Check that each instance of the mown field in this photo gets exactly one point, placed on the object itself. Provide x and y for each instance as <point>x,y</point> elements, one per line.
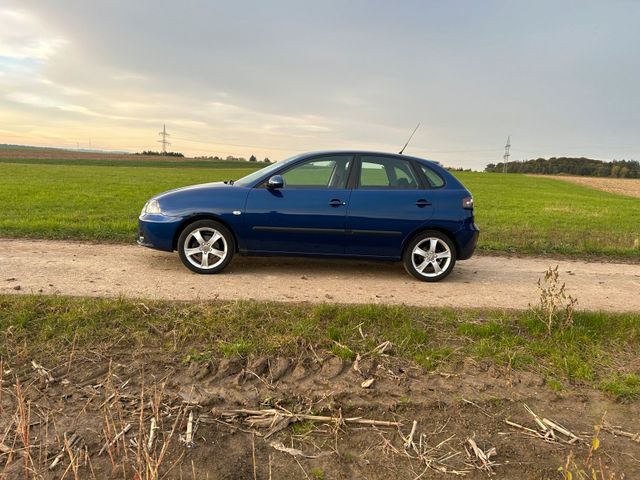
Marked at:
<point>82,199</point>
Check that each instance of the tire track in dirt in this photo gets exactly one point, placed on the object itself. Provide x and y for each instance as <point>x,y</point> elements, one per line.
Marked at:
<point>471,401</point>
<point>108,270</point>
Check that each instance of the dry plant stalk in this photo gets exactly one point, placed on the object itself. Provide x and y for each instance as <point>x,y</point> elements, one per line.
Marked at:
<point>115,439</point>
<point>434,458</point>
<point>23,423</point>
<point>42,372</point>
<point>271,417</point>
<point>547,429</point>
<point>294,452</point>
<point>617,430</point>
<point>152,450</point>
<point>556,307</point>
<point>67,445</point>
<point>483,458</point>
<point>590,469</point>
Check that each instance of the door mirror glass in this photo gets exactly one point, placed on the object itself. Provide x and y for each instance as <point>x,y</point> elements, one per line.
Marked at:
<point>275,182</point>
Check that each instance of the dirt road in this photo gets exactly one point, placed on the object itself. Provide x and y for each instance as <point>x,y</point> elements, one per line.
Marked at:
<point>89,269</point>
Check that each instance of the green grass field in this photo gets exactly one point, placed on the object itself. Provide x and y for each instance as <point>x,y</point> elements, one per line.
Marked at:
<point>88,203</point>
<point>75,200</point>
<point>136,162</point>
<point>518,213</point>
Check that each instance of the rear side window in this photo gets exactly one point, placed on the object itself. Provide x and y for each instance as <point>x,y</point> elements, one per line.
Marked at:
<point>387,172</point>
<point>435,180</point>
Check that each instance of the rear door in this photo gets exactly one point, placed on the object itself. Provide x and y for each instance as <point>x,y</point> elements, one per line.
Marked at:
<point>389,202</point>
<point>307,215</point>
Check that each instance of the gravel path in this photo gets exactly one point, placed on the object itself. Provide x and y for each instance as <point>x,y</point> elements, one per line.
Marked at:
<point>91,269</point>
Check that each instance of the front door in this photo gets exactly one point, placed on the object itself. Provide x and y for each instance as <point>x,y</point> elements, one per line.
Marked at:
<point>307,215</point>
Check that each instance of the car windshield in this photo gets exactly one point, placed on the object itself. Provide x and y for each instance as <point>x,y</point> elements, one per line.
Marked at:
<point>252,177</point>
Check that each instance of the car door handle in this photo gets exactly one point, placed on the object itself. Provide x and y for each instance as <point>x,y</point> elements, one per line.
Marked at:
<point>336,202</point>
<point>423,203</point>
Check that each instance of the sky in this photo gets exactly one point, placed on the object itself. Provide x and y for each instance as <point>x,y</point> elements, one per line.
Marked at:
<point>281,77</point>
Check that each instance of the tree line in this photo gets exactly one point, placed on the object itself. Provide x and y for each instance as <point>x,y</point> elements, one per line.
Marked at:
<point>585,167</point>
<point>161,154</point>
<point>231,158</point>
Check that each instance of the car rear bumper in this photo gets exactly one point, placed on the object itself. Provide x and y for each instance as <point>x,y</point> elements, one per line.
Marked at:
<point>157,231</point>
<point>467,239</point>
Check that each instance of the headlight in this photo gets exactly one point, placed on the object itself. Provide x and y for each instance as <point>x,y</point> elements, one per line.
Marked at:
<point>152,207</point>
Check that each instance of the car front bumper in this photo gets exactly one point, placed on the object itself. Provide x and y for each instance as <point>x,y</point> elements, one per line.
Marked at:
<point>157,231</point>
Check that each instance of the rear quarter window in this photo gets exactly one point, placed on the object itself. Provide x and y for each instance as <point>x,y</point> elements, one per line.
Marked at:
<point>434,179</point>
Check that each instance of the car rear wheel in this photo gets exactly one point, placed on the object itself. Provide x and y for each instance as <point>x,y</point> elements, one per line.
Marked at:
<point>430,256</point>
<point>206,246</point>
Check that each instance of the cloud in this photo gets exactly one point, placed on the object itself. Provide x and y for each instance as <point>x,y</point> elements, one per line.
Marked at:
<point>23,37</point>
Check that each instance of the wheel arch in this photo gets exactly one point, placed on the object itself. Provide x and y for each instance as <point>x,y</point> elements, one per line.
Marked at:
<point>197,217</point>
<point>442,230</point>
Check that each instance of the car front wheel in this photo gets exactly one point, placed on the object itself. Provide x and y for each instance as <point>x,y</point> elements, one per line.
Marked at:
<point>430,256</point>
<point>206,246</point>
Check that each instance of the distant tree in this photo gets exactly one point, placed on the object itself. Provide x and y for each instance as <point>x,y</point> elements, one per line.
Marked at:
<point>253,158</point>
<point>266,160</point>
<point>615,171</point>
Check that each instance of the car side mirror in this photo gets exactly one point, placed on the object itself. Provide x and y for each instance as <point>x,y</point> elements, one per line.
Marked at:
<point>275,182</point>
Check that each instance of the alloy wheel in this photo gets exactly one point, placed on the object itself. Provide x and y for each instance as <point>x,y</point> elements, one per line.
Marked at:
<point>431,257</point>
<point>205,248</point>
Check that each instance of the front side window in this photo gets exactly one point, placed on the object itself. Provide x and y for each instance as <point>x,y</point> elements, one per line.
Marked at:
<point>387,172</point>
<point>324,172</point>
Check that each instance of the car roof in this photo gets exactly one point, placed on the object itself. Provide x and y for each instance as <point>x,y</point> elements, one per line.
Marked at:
<point>365,152</point>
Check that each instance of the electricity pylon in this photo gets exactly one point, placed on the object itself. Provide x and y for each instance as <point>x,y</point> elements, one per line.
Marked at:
<point>164,141</point>
<point>506,154</point>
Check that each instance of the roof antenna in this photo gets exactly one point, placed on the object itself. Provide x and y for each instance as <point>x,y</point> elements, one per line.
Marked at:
<point>405,145</point>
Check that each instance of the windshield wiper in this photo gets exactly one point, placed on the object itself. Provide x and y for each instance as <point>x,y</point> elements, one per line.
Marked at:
<point>229,182</point>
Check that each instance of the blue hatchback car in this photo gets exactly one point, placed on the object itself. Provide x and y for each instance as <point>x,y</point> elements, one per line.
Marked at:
<point>356,204</point>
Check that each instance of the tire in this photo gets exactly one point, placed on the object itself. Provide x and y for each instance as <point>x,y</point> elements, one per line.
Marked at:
<point>203,256</point>
<point>438,260</point>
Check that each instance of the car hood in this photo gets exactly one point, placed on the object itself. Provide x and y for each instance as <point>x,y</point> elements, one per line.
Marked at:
<point>194,188</point>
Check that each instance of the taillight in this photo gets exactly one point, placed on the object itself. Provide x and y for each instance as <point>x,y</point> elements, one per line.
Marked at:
<point>467,202</point>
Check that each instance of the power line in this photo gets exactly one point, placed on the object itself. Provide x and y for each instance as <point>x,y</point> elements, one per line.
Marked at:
<point>164,141</point>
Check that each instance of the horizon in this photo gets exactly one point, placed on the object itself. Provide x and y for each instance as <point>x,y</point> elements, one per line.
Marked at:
<point>275,80</point>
